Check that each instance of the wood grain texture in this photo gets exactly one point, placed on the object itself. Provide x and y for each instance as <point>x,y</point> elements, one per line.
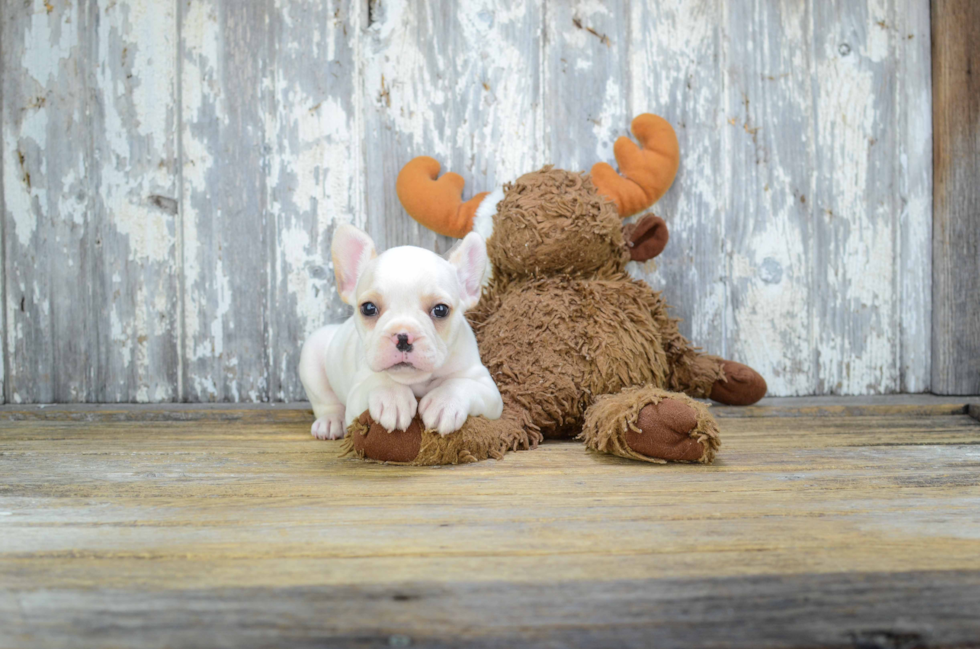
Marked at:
<point>770,261</point>
<point>867,610</point>
<point>859,133</point>
<point>90,273</point>
<point>227,56</point>
<point>956,235</point>
<point>189,161</point>
<point>808,531</point>
<point>847,610</point>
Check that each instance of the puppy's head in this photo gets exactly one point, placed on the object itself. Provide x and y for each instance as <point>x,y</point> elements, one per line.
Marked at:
<point>408,302</point>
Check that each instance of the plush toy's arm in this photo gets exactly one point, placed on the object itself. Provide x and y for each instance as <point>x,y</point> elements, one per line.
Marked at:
<point>436,204</point>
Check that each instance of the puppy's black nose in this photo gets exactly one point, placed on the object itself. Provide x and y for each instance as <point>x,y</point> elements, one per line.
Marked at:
<point>403,345</point>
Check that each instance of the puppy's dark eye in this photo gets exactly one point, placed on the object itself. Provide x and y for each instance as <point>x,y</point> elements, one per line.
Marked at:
<point>369,309</point>
<point>440,311</point>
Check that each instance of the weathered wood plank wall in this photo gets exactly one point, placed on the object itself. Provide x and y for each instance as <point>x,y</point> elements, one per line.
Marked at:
<point>173,171</point>
<point>90,217</point>
<point>956,240</point>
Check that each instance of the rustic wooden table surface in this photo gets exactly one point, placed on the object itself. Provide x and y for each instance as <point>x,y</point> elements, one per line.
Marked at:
<point>824,522</point>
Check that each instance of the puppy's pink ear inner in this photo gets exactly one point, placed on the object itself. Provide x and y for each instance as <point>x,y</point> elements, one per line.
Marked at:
<point>470,260</point>
<point>351,250</point>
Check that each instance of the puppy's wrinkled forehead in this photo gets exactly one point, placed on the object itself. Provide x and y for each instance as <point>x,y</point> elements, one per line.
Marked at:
<point>409,272</point>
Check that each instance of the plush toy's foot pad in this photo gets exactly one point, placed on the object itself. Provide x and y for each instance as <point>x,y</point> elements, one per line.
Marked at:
<point>742,385</point>
<point>652,425</point>
<point>664,431</point>
<point>478,439</point>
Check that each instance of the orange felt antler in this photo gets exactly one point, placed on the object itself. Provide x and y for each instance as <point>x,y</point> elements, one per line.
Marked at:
<point>649,170</point>
<point>436,204</point>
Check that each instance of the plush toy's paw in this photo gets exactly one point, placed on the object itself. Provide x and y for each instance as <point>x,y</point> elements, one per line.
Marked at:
<point>370,439</point>
<point>742,385</point>
<point>664,432</point>
<point>651,424</point>
<point>329,426</point>
<point>443,411</point>
<point>393,407</point>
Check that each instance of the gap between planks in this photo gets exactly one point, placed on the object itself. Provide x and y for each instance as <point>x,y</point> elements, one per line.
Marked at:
<point>823,406</point>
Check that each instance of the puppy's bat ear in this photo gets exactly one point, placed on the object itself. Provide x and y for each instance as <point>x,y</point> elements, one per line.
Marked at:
<point>351,250</point>
<point>469,257</point>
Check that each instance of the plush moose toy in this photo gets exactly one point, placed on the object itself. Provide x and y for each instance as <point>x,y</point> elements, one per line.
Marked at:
<point>577,347</point>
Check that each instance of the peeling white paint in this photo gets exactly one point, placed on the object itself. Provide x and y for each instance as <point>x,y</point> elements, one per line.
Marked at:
<point>500,82</point>
<point>201,52</point>
<point>149,231</point>
<point>18,196</point>
<point>610,128</point>
<point>214,346</point>
<point>300,284</point>
<point>855,346</point>
<point>404,84</point>
<point>53,35</point>
<point>880,22</point>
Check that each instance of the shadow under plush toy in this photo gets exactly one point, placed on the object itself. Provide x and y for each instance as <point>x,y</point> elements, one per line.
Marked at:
<point>577,347</point>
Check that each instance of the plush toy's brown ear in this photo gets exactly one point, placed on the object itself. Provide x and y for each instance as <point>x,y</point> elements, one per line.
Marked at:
<point>646,238</point>
<point>649,170</point>
<point>436,204</point>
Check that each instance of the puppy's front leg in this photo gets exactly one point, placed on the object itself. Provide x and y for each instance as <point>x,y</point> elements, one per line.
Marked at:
<point>391,404</point>
<point>328,410</point>
<point>445,408</point>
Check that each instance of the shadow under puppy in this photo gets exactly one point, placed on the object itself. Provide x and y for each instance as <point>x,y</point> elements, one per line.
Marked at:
<point>408,348</point>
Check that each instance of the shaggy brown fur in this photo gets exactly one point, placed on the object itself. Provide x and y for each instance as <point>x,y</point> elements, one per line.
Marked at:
<point>576,346</point>
<point>561,321</point>
<point>479,439</point>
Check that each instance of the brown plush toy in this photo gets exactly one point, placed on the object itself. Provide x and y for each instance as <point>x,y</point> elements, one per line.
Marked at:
<point>577,347</point>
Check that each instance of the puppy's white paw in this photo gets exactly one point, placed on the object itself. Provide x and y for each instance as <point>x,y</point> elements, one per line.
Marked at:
<point>393,407</point>
<point>443,411</point>
<point>329,427</point>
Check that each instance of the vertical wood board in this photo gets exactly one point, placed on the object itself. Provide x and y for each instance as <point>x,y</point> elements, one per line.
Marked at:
<point>676,66</point>
<point>313,173</point>
<point>861,190</point>
<point>88,157</point>
<point>956,240</point>
<point>226,57</point>
<point>768,225</point>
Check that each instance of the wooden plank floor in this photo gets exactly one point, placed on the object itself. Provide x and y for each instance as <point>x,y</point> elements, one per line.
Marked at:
<point>843,523</point>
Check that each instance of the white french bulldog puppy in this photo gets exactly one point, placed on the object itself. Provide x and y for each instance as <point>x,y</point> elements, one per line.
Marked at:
<point>407,348</point>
